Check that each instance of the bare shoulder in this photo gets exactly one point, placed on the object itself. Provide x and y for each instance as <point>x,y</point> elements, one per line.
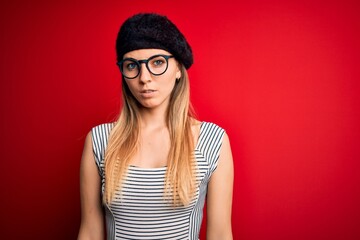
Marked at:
<point>195,127</point>
<point>225,162</point>
<point>226,148</point>
<point>88,168</point>
<point>195,123</point>
<point>87,151</point>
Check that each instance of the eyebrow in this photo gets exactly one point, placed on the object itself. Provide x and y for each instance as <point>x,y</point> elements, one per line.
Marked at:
<point>164,54</point>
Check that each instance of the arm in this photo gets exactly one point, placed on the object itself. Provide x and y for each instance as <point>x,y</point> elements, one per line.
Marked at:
<point>219,198</point>
<point>92,223</point>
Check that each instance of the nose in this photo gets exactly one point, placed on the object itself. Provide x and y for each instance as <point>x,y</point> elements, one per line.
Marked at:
<point>145,75</point>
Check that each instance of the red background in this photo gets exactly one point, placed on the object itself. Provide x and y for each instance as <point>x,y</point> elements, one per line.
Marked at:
<point>282,78</point>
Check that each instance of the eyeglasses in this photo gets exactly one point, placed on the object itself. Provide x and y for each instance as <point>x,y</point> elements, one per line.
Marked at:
<point>157,65</point>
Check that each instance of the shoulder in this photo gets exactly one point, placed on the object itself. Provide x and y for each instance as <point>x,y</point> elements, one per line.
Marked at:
<point>210,141</point>
<point>104,127</point>
<point>211,129</point>
<point>100,135</point>
<point>212,124</point>
<point>101,131</point>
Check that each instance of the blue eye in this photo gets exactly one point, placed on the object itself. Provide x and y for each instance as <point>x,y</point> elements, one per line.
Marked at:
<point>158,62</point>
<point>131,66</point>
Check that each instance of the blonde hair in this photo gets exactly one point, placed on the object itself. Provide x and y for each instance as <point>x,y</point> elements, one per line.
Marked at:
<point>124,138</point>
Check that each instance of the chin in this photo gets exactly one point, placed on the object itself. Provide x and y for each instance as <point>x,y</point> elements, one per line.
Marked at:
<point>152,104</point>
<point>148,104</point>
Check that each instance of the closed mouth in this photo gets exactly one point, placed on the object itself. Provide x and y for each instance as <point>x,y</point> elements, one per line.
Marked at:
<point>147,91</point>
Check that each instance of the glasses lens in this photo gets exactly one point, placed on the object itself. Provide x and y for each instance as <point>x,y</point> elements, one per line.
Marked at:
<point>157,65</point>
<point>130,68</point>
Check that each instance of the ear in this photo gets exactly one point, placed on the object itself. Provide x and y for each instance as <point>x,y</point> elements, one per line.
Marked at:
<point>178,71</point>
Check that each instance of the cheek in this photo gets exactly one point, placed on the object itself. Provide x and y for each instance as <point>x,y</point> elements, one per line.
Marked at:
<point>170,83</point>
<point>171,78</point>
<point>130,86</point>
<point>130,83</point>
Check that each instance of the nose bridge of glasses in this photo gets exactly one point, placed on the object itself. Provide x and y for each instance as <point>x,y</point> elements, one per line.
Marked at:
<point>141,69</point>
<point>143,61</point>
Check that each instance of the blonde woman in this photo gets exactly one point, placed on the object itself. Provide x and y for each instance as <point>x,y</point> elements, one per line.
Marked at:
<point>149,173</point>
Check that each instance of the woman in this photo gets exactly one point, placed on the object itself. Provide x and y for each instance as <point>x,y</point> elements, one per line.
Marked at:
<point>156,165</point>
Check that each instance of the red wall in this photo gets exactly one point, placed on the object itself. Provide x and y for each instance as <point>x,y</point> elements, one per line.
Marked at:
<point>282,78</point>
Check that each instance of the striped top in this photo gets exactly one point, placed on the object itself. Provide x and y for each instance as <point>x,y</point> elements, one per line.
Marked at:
<point>142,212</point>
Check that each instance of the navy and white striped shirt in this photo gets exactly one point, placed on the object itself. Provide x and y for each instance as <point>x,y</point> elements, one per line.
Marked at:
<point>142,212</point>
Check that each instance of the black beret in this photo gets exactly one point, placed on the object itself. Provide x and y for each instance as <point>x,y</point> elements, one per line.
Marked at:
<point>149,30</point>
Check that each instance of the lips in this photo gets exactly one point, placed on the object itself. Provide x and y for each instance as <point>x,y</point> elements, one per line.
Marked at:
<point>147,93</point>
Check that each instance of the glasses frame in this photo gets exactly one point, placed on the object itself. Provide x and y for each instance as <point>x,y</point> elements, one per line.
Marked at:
<point>146,61</point>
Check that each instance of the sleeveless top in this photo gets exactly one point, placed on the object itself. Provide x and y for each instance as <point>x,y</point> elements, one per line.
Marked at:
<point>141,212</point>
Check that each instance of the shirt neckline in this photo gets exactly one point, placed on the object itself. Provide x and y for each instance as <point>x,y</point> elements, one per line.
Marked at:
<point>133,167</point>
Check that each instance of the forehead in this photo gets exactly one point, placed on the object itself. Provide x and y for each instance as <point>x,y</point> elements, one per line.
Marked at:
<point>145,53</point>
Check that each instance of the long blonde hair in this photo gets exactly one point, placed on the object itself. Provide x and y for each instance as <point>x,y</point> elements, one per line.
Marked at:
<point>124,138</point>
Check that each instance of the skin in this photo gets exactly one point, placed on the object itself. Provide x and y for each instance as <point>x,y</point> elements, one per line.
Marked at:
<point>155,144</point>
<point>155,138</point>
<point>92,216</point>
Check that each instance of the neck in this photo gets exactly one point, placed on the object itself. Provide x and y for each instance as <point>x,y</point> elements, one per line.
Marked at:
<point>153,117</point>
